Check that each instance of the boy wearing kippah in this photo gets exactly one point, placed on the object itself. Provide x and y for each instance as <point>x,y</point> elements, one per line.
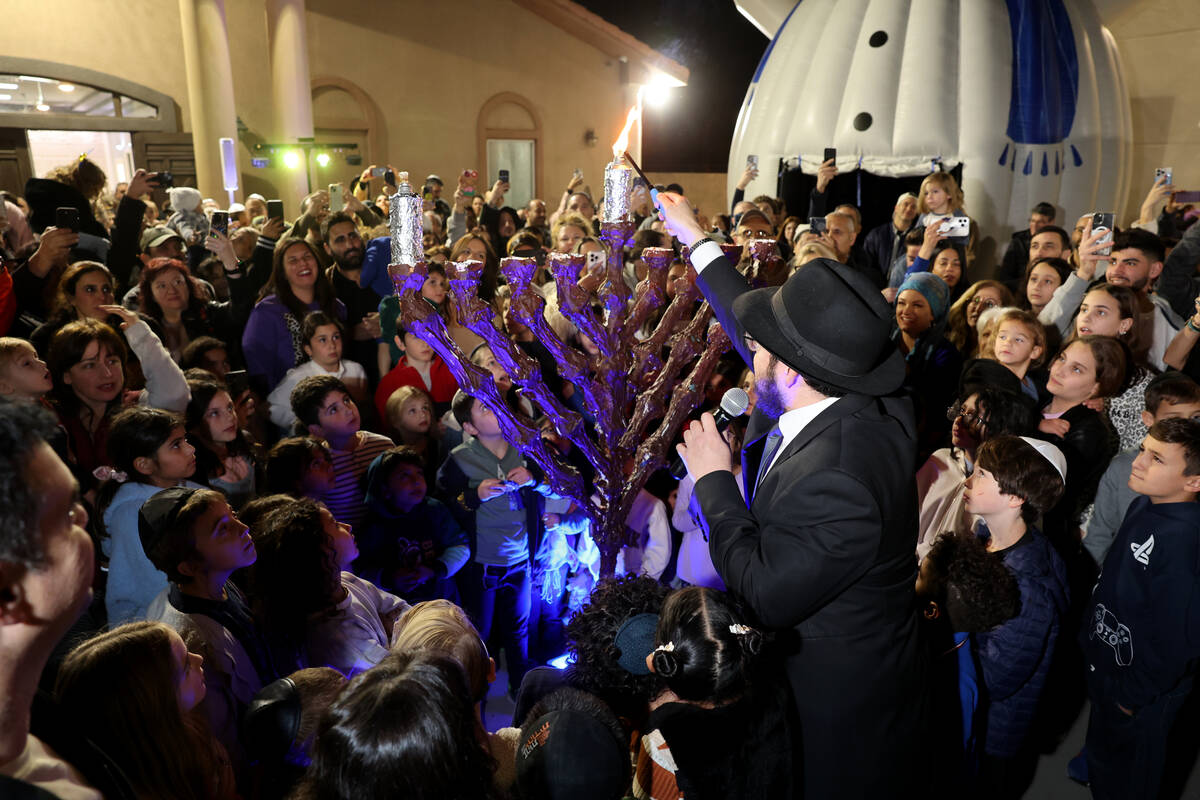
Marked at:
<point>1141,637</point>
<point>1016,479</point>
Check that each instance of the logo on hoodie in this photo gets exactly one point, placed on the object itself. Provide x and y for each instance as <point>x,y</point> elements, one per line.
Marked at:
<point>1141,552</point>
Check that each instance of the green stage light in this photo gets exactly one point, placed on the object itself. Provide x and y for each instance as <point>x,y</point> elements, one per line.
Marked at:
<point>291,159</point>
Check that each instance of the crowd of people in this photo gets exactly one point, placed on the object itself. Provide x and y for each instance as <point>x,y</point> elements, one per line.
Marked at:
<point>257,542</point>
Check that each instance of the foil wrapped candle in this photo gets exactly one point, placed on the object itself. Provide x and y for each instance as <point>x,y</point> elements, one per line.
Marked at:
<point>404,220</point>
<point>618,186</point>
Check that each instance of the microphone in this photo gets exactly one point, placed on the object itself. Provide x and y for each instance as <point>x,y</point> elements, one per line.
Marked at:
<point>733,404</point>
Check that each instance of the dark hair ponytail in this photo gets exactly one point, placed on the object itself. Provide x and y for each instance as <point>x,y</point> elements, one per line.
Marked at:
<point>135,433</point>
<point>704,648</point>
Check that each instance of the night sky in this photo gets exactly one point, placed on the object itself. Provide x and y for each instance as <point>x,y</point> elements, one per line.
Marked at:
<point>692,132</point>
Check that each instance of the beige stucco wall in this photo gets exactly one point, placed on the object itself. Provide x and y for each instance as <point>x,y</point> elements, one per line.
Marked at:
<point>1157,40</point>
<point>429,88</point>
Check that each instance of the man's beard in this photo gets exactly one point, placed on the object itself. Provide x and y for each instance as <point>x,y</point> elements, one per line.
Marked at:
<point>769,398</point>
<point>352,258</point>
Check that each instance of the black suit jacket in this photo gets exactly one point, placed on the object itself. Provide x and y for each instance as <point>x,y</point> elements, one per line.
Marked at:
<point>824,553</point>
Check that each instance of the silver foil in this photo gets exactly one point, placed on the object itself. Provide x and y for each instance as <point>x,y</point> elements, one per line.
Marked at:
<point>404,219</point>
<point>618,185</point>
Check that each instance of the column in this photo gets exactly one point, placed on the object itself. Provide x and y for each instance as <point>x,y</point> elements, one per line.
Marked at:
<point>210,89</point>
<point>291,89</point>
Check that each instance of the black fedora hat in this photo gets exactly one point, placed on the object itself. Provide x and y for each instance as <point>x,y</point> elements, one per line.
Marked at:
<point>827,321</point>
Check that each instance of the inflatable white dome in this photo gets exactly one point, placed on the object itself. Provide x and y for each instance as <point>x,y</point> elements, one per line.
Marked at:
<point>1028,95</point>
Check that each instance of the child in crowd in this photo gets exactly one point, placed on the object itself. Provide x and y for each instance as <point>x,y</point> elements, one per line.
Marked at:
<point>487,476</point>
<point>280,727</point>
<point>152,453</point>
<point>133,689</point>
<point>728,736</point>
<point>1140,635</point>
<point>410,415</point>
<point>224,452</point>
<point>195,538</point>
<point>323,405</point>
<point>187,217</point>
<point>420,367</point>
<point>322,336</point>
<point>1015,480</point>
<point>300,466</point>
<point>1020,344</point>
<point>23,376</point>
<point>404,729</point>
<point>410,543</point>
<point>207,353</point>
<point>434,292</point>
<point>317,613</point>
<point>962,589</point>
<point>977,416</point>
<point>439,626</point>
<point>1171,395</point>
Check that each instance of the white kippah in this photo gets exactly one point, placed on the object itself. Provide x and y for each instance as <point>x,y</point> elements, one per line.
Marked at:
<point>1050,453</point>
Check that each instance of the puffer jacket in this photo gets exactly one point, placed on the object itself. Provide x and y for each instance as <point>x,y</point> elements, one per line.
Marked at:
<point>1016,656</point>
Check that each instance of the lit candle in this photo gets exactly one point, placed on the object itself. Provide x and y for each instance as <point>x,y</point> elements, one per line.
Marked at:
<point>618,177</point>
<point>404,219</point>
<point>618,185</point>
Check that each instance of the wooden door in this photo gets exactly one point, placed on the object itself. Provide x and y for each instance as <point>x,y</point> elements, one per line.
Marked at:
<point>16,167</point>
<point>166,152</point>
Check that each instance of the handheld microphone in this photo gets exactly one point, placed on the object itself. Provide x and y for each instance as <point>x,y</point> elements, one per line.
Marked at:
<point>733,404</point>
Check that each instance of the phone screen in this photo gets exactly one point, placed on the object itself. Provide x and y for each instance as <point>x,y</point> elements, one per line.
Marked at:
<point>220,222</point>
<point>67,217</point>
<point>752,162</point>
<point>830,154</point>
<point>817,224</point>
<point>504,176</point>
<point>378,172</point>
<point>1103,221</point>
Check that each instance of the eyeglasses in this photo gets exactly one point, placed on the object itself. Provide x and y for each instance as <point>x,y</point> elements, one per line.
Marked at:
<point>972,418</point>
<point>749,341</point>
<point>986,302</point>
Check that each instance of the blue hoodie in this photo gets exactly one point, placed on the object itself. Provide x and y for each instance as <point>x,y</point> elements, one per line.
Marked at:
<point>388,532</point>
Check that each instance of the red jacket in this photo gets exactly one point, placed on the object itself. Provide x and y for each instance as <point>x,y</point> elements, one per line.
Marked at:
<point>442,391</point>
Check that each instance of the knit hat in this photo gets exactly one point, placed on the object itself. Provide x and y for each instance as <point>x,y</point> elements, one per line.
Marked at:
<point>1051,453</point>
<point>570,754</point>
<point>934,290</point>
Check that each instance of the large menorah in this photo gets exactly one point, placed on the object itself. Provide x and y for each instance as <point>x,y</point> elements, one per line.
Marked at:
<point>626,387</point>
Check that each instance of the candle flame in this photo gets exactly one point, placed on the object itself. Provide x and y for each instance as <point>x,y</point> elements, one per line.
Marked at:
<point>622,142</point>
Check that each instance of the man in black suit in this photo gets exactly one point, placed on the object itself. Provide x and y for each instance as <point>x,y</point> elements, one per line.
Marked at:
<point>822,551</point>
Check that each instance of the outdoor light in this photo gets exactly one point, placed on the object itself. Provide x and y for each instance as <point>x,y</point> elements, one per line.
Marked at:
<point>291,159</point>
<point>9,86</point>
<point>323,159</point>
<point>656,90</point>
<point>5,97</point>
<point>66,87</point>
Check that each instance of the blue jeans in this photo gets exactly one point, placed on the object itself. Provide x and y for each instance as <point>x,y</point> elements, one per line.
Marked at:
<point>498,599</point>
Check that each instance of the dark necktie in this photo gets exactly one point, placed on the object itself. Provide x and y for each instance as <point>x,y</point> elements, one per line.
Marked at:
<point>774,440</point>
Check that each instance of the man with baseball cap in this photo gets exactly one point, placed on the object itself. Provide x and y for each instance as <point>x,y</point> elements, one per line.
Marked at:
<point>821,549</point>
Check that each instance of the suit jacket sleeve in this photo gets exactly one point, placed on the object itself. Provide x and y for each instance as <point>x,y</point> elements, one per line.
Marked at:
<point>821,534</point>
<point>721,285</point>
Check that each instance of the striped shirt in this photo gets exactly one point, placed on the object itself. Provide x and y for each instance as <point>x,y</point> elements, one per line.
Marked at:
<point>346,501</point>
